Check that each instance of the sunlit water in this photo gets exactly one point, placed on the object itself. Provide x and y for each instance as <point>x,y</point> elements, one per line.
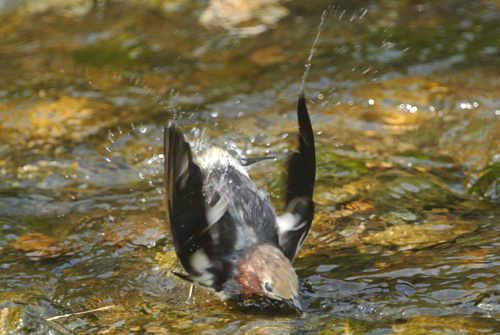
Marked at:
<point>404,102</point>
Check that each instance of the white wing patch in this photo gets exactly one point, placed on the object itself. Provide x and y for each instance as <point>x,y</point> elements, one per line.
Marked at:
<point>289,222</point>
<point>201,263</point>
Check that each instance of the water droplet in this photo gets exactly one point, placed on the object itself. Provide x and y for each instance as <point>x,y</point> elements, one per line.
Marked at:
<point>214,114</point>
<point>497,112</point>
<point>371,101</point>
<point>320,96</point>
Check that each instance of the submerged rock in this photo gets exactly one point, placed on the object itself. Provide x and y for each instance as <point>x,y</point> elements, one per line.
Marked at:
<point>138,231</point>
<point>28,319</point>
<point>423,324</point>
<point>248,17</point>
<point>409,236</point>
<point>488,185</point>
<point>39,246</point>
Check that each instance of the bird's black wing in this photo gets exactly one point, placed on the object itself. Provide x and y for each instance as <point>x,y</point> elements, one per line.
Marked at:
<point>294,224</point>
<point>184,200</point>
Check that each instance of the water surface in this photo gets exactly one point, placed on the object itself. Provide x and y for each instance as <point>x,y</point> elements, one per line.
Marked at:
<point>404,102</point>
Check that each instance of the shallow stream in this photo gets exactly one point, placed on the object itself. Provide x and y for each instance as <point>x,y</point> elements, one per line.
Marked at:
<point>405,102</point>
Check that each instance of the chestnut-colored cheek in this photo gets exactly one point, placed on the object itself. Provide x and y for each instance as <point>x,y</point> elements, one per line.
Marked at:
<point>249,285</point>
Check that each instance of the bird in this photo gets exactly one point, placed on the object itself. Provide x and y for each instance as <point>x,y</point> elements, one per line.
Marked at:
<point>226,233</point>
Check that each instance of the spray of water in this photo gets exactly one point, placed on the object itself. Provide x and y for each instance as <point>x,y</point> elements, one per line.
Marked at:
<point>334,12</point>
<point>313,48</point>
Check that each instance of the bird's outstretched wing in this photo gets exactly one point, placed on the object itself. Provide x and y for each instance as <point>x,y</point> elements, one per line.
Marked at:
<point>294,224</point>
<point>184,201</point>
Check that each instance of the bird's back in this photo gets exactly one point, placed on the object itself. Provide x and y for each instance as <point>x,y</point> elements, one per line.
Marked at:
<point>243,214</point>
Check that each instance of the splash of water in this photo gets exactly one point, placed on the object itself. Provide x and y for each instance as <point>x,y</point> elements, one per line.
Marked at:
<point>313,48</point>
<point>336,13</point>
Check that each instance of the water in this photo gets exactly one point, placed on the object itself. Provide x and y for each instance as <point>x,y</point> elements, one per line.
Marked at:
<point>404,103</point>
<point>313,48</point>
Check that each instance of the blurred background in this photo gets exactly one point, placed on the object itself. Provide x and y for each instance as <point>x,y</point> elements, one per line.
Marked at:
<point>404,99</point>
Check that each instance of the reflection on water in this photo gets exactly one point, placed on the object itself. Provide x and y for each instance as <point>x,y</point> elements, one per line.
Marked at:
<point>404,101</point>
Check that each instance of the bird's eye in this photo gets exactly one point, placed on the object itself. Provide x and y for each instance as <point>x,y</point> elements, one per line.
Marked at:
<point>268,286</point>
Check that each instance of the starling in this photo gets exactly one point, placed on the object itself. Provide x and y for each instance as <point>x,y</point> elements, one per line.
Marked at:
<point>226,233</point>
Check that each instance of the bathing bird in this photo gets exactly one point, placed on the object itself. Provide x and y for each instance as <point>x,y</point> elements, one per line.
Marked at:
<point>225,231</point>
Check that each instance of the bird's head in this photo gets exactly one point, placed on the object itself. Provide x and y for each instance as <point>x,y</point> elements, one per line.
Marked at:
<point>265,271</point>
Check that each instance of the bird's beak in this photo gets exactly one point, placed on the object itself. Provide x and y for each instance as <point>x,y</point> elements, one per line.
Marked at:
<point>295,303</point>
